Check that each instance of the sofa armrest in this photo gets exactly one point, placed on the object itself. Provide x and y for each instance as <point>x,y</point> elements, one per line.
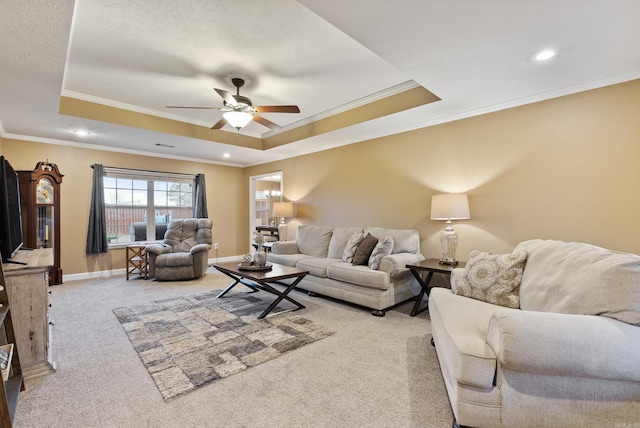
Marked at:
<point>397,263</point>
<point>200,248</point>
<point>285,247</point>
<point>565,344</point>
<point>158,249</point>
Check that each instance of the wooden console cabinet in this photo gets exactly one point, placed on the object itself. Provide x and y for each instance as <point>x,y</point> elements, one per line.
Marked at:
<point>28,290</point>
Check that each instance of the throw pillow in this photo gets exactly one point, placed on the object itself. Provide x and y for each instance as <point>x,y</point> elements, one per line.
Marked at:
<point>381,249</point>
<point>314,240</point>
<point>364,250</point>
<point>352,246</point>
<point>493,278</point>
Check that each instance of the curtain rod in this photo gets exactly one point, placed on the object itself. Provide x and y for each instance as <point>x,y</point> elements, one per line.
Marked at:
<point>132,171</point>
<point>141,170</point>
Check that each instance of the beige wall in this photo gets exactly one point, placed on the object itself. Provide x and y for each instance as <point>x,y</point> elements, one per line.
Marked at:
<point>564,169</point>
<point>227,197</point>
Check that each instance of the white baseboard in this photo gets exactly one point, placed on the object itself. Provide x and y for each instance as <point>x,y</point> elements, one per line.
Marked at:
<point>118,272</point>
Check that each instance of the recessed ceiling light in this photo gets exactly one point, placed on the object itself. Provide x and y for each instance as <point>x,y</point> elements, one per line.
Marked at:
<point>81,132</point>
<point>226,155</point>
<point>545,55</point>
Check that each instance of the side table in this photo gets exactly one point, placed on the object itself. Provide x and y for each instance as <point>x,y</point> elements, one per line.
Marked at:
<point>430,266</point>
<point>137,261</point>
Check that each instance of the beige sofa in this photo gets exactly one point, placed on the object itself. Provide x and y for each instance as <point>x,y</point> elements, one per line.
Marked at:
<point>321,250</point>
<point>568,357</point>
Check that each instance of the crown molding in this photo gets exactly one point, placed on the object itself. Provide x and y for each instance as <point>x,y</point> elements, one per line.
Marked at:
<point>115,149</point>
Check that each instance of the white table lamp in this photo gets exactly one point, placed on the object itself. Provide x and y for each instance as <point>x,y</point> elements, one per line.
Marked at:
<point>282,210</point>
<point>449,206</point>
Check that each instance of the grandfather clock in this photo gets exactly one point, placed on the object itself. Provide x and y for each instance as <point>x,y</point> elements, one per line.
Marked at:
<point>40,206</point>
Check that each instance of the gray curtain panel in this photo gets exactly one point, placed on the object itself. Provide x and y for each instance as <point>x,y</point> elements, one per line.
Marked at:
<point>200,205</point>
<point>97,232</point>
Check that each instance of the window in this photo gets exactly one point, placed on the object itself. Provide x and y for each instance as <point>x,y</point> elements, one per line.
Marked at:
<point>140,204</point>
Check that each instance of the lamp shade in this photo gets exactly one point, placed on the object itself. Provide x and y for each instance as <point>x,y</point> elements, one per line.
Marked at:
<point>282,209</point>
<point>450,206</point>
<point>238,119</point>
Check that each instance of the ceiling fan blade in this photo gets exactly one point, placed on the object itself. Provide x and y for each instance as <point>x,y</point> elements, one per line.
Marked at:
<point>219,124</point>
<point>262,121</point>
<point>277,109</point>
<point>226,95</point>
<point>205,108</point>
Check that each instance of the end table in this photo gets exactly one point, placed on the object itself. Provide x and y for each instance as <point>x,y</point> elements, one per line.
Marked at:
<point>137,261</point>
<point>430,266</point>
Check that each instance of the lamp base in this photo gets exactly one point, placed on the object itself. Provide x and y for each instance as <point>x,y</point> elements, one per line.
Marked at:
<point>449,242</point>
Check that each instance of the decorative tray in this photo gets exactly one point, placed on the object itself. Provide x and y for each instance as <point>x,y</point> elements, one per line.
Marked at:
<point>251,266</point>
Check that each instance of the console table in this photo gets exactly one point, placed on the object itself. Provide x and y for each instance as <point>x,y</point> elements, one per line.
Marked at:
<point>273,231</point>
<point>28,292</point>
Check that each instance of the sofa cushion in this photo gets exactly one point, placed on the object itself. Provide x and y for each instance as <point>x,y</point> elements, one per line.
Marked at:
<point>358,275</point>
<point>314,240</point>
<point>382,248</point>
<point>404,240</point>
<point>493,278</point>
<point>351,247</point>
<point>316,266</point>
<point>339,240</point>
<point>174,260</point>
<point>364,250</point>
<point>285,247</point>
<point>287,259</point>
<point>183,234</point>
<point>577,278</point>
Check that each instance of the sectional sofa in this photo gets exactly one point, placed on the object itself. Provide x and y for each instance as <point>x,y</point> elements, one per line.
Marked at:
<point>383,282</point>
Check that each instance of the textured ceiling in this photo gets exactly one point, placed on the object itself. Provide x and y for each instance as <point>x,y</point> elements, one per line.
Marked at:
<point>139,56</point>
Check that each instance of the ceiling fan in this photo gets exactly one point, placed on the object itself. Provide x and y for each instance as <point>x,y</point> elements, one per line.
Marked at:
<point>239,111</point>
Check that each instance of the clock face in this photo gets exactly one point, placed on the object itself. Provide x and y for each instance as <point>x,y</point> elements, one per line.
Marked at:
<point>44,191</point>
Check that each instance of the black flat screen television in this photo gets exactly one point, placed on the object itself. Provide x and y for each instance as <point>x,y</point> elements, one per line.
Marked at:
<point>10,219</point>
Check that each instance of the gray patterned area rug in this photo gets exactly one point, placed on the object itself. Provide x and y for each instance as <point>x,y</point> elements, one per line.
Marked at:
<point>191,341</point>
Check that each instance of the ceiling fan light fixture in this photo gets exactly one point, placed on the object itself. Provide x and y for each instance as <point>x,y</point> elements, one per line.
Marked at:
<point>238,119</point>
<point>239,110</point>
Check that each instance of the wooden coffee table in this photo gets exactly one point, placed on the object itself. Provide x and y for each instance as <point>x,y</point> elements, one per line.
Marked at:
<point>260,280</point>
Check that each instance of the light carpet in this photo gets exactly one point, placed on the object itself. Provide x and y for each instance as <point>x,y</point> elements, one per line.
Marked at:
<point>380,372</point>
<point>189,342</point>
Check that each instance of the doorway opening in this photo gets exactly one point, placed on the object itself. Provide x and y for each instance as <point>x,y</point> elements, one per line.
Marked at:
<point>264,190</point>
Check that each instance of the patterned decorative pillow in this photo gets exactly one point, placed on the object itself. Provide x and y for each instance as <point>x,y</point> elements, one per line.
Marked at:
<point>382,248</point>
<point>364,250</point>
<point>352,246</point>
<point>493,278</point>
